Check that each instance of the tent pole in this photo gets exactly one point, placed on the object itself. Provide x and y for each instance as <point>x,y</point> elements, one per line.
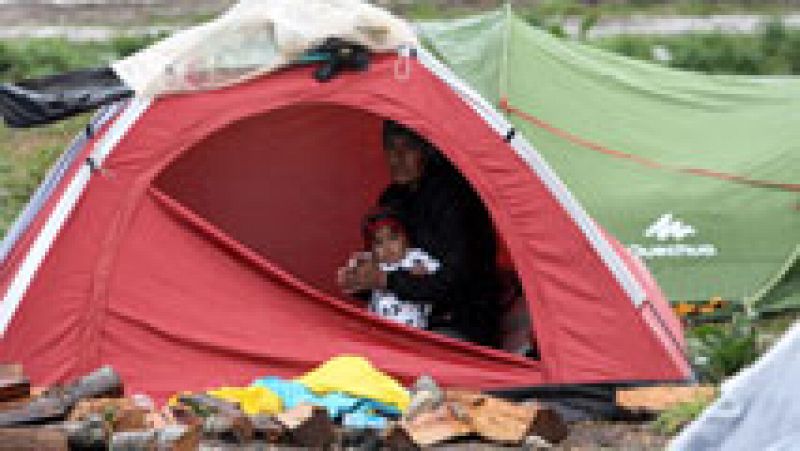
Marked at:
<point>52,180</point>
<point>66,204</point>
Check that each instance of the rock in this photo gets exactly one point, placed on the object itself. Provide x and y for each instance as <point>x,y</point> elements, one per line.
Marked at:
<point>425,395</point>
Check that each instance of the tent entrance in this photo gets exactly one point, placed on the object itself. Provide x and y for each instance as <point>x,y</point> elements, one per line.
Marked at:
<point>292,186</point>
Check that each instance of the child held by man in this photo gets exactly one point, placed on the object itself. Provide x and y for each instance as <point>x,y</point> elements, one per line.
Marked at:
<point>390,246</point>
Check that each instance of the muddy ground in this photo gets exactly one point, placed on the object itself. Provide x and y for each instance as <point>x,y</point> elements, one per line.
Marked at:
<point>587,436</point>
<point>592,436</point>
<point>618,436</point>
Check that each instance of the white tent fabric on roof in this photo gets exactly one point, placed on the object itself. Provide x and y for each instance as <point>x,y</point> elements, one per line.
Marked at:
<point>255,37</point>
<point>759,409</point>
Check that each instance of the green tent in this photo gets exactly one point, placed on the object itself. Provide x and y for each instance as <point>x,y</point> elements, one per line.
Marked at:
<point>697,174</point>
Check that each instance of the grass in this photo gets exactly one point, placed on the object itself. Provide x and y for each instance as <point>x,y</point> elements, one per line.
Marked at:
<point>721,350</point>
<point>775,50</point>
<point>671,421</point>
<point>545,10</point>
<point>25,157</point>
<point>26,58</point>
<point>724,348</point>
<point>561,8</point>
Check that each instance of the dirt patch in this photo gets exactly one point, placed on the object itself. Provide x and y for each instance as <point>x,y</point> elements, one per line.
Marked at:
<point>608,435</point>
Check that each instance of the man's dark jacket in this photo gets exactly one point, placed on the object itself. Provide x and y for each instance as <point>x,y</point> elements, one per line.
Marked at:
<point>446,218</point>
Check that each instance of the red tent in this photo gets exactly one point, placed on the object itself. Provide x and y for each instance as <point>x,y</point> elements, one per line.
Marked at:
<point>193,240</point>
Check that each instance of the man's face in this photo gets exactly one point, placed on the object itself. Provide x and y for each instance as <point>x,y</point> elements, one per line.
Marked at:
<point>405,160</point>
<point>389,245</point>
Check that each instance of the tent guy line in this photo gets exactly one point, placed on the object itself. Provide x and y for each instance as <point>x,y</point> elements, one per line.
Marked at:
<point>590,145</point>
<point>54,176</point>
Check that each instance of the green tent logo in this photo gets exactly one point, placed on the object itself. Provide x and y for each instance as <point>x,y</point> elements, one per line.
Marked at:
<point>669,233</point>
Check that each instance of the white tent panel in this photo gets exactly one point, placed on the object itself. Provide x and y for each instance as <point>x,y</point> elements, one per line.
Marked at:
<point>759,408</point>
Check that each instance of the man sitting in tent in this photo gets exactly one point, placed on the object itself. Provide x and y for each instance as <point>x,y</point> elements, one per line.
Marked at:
<point>447,219</point>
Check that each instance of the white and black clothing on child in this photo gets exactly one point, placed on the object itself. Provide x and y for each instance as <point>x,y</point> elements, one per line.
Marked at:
<point>386,304</point>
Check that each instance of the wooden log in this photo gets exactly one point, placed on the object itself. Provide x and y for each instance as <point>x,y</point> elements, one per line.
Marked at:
<point>163,418</point>
<point>494,419</point>
<point>220,419</point>
<point>37,411</point>
<point>134,419</point>
<point>13,405</point>
<point>33,439</point>
<point>228,427</point>
<point>463,414</point>
<point>397,438</point>
<point>92,433</point>
<point>267,429</point>
<point>359,439</point>
<point>104,382</point>
<point>99,406</point>
<point>308,426</point>
<point>657,399</point>
<point>441,424</point>
<point>122,413</point>
<point>204,405</point>
<point>178,438</point>
<point>134,441</point>
<point>14,388</point>
<point>184,414</point>
<point>170,438</point>
<point>549,425</point>
<point>11,371</point>
<point>56,403</point>
<point>504,422</point>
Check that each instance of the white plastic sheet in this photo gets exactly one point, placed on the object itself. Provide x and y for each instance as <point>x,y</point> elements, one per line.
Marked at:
<point>256,37</point>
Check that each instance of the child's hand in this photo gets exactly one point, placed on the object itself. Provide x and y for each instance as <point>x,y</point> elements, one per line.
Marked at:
<point>363,274</point>
<point>358,258</point>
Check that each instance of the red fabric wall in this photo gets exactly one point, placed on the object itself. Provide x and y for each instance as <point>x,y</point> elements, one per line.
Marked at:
<point>292,185</point>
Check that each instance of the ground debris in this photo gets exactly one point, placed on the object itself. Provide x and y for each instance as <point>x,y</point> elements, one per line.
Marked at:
<point>308,426</point>
<point>596,435</point>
